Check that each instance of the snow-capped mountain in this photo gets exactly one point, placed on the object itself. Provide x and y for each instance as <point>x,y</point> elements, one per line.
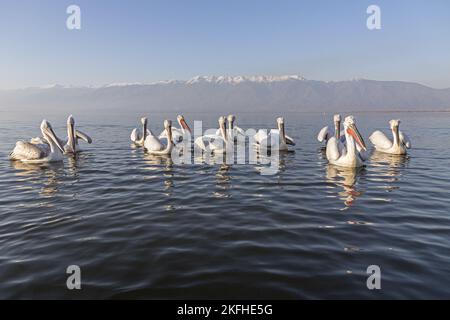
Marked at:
<point>236,94</point>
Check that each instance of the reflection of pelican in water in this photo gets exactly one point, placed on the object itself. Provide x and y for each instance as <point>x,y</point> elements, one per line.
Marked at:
<point>155,163</point>
<point>346,178</point>
<point>31,173</point>
<point>223,181</point>
<point>269,163</point>
<point>388,165</point>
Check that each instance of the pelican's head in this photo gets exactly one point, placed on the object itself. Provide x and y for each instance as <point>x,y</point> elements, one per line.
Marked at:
<point>45,125</point>
<point>394,123</point>
<point>337,118</point>
<point>352,130</point>
<point>167,124</point>
<point>70,120</point>
<point>231,118</point>
<point>183,123</point>
<point>49,134</point>
<point>221,120</point>
<point>144,120</point>
<point>280,120</point>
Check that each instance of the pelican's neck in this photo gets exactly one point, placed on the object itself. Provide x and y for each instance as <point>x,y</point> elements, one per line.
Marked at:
<point>181,127</point>
<point>169,139</point>
<point>396,135</point>
<point>71,136</point>
<point>144,129</point>
<point>282,133</point>
<point>230,129</point>
<point>351,145</point>
<point>51,143</point>
<point>337,129</point>
<point>223,132</point>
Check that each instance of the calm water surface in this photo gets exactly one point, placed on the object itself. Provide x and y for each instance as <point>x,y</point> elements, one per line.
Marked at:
<point>145,227</point>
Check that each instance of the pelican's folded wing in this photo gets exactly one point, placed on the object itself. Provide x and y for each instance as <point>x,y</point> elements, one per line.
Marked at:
<point>405,140</point>
<point>83,136</point>
<point>380,140</point>
<point>323,134</point>
<point>135,136</point>
<point>26,151</point>
<point>289,140</point>
<point>239,131</point>
<point>260,136</point>
<point>163,134</point>
<point>151,143</point>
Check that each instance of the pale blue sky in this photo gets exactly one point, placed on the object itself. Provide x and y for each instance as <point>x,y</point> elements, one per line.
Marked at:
<point>145,41</point>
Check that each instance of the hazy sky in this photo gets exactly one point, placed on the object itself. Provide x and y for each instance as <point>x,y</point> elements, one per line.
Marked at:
<point>145,41</point>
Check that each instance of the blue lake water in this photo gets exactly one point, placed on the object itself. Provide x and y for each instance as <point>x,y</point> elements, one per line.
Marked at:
<point>144,227</point>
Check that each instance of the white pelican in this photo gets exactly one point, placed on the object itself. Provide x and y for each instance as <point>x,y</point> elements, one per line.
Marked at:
<point>154,146</point>
<point>136,136</point>
<point>348,156</point>
<point>73,135</point>
<point>264,140</point>
<point>215,143</point>
<point>383,144</point>
<point>178,133</point>
<point>50,151</point>
<point>325,134</point>
<point>234,133</point>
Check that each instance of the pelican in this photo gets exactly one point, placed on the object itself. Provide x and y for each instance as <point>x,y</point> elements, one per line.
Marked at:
<point>178,133</point>
<point>383,144</point>
<point>325,134</point>
<point>233,132</point>
<point>348,156</point>
<point>136,136</point>
<point>154,146</point>
<point>50,151</point>
<point>215,143</point>
<point>73,135</point>
<point>264,140</point>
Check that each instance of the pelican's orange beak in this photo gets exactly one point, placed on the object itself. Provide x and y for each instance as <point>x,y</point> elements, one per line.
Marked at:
<point>353,131</point>
<point>184,125</point>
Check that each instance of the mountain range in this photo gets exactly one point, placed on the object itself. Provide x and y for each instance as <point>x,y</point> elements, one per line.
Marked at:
<point>237,94</point>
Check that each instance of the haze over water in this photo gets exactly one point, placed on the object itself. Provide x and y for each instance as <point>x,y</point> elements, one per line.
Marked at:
<point>143,227</point>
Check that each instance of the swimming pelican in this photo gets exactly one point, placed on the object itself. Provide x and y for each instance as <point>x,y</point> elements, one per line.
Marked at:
<point>383,144</point>
<point>154,146</point>
<point>136,136</point>
<point>348,156</point>
<point>50,151</point>
<point>178,133</point>
<point>264,140</point>
<point>215,143</point>
<point>73,135</point>
<point>325,134</point>
<point>233,132</point>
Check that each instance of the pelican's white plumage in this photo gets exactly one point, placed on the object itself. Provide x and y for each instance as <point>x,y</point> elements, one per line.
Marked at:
<point>274,139</point>
<point>398,145</point>
<point>156,147</point>
<point>178,134</point>
<point>347,156</point>
<point>214,143</point>
<point>73,136</point>
<point>49,150</point>
<point>137,137</point>
<point>325,134</point>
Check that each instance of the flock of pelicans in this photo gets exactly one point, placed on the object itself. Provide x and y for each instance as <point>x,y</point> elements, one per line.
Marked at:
<point>345,148</point>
